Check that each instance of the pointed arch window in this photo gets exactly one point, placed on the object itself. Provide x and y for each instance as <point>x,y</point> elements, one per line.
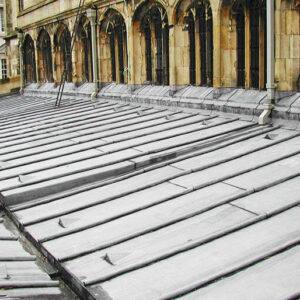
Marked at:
<point>29,60</point>
<point>199,23</point>
<point>155,29</point>
<point>44,57</point>
<point>63,58</point>
<point>83,46</point>
<point>114,28</point>
<point>257,13</point>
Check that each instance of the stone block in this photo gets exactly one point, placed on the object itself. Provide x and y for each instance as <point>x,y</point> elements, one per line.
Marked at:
<point>295,46</point>
<point>285,46</point>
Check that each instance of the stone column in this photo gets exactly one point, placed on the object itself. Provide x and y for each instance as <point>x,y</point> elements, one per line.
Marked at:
<point>172,61</point>
<point>263,118</point>
<point>216,14</point>
<point>38,79</point>
<point>197,52</point>
<point>270,51</point>
<point>22,81</point>
<point>92,14</point>
<point>131,67</point>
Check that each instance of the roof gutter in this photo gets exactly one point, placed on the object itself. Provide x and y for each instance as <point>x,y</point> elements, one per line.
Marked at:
<point>263,118</point>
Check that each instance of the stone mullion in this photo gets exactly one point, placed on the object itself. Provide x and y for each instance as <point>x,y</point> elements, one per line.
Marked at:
<point>164,53</point>
<point>153,52</point>
<point>117,62</point>
<point>54,64</point>
<point>21,55</point>
<point>172,60</point>
<point>74,63</point>
<point>216,15</point>
<point>247,49</point>
<point>197,52</point>
<point>36,61</point>
<point>125,57</point>
<point>261,51</point>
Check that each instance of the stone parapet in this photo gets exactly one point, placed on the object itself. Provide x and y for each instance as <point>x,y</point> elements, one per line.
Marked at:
<point>247,103</point>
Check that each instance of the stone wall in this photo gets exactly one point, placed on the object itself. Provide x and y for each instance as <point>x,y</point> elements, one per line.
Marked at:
<point>48,14</point>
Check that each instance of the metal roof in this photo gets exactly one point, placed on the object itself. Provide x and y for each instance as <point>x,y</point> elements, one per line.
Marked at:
<point>136,202</point>
<point>20,276</point>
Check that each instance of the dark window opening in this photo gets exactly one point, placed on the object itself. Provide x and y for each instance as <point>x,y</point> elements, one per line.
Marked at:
<point>84,49</point>
<point>257,19</point>
<point>65,47</point>
<point>45,55</point>
<point>192,48</point>
<point>113,56</point>
<point>240,31</point>
<point>154,25</point>
<point>29,60</point>
<point>148,52</point>
<point>114,27</point>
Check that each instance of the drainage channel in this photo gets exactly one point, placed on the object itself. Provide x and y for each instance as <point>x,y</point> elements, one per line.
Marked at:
<point>24,272</point>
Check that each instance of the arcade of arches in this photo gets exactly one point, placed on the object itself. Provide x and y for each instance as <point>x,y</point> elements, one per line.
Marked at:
<point>188,42</point>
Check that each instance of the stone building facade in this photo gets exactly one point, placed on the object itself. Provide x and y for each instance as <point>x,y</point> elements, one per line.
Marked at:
<point>217,43</point>
<point>3,61</point>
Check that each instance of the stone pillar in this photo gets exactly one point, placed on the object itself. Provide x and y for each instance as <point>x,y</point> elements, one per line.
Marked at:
<point>38,79</point>
<point>172,61</point>
<point>197,53</point>
<point>54,67</point>
<point>92,14</point>
<point>247,49</point>
<point>270,51</point>
<point>22,81</point>
<point>216,14</point>
<point>130,45</point>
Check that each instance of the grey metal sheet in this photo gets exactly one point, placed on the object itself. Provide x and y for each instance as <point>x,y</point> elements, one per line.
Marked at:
<point>104,116</point>
<point>13,142</point>
<point>242,164</point>
<point>12,250</point>
<point>50,163</point>
<point>241,148</point>
<point>188,270</point>
<point>269,201</point>
<point>140,222</point>
<point>120,119</point>
<point>157,119</point>
<point>40,142</point>
<point>195,149</point>
<point>158,244</point>
<point>48,154</point>
<point>37,190</point>
<point>5,234</point>
<point>35,150</point>
<point>103,212</point>
<point>275,278</point>
<point>23,274</point>
<point>51,116</point>
<point>100,194</point>
<point>63,166</point>
<point>45,138</point>
<point>202,134</point>
<point>142,116</point>
<point>277,171</point>
<point>183,133</point>
<point>174,127</point>
<point>52,293</point>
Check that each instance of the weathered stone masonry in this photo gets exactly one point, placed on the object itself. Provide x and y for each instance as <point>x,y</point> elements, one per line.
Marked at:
<point>183,42</point>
